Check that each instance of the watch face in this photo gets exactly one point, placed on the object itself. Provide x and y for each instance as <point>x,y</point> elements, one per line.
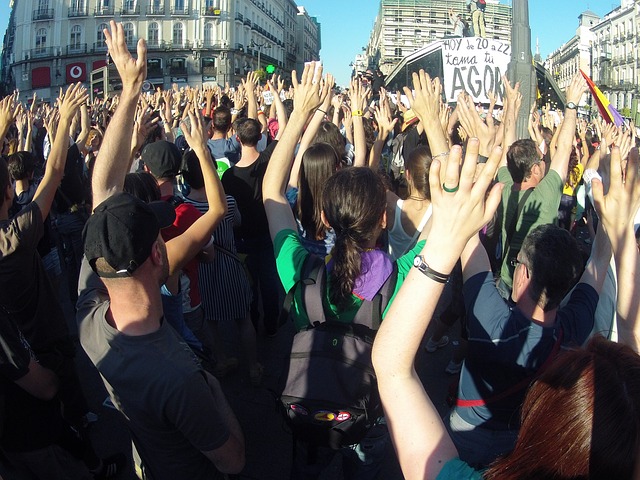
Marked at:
<point>417,261</point>
<point>571,105</point>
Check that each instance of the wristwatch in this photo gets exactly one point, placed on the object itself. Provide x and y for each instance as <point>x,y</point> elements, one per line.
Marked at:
<point>429,272</point>
<point>571,106</point>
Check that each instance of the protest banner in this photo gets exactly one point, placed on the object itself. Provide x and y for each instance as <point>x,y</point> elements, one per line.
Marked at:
<point>474,65</point>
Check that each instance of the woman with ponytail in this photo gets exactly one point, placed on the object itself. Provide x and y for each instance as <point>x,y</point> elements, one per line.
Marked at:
<point>353,205</point>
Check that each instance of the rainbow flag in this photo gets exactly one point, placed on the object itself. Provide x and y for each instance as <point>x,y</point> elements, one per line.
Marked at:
<point>608,112</point>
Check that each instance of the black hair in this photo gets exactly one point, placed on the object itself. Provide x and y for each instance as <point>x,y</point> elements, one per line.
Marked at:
<point>142,185</point>
<point>21,165</point>
<point>521,157</point>
<point>191,170</point>
<point>249,131</point>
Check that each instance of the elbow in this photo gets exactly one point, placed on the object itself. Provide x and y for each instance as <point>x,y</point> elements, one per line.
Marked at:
<point>234,462</point>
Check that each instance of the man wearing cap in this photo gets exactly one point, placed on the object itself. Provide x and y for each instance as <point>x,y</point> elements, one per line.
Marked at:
<point>179,419</point>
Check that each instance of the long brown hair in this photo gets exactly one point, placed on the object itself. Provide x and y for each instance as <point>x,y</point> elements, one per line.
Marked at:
<point>580,419</point>
<point>319,162</point>
<point>353,201</point>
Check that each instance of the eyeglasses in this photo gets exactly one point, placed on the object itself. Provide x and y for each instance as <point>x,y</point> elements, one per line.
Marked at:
<point>514,262</point>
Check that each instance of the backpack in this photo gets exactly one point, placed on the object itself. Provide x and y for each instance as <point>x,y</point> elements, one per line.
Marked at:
<point>330,395</point>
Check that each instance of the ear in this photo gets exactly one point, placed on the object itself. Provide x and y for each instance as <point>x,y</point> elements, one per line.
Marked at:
<point>383,221</point>
<point>324,219</point>
<point>156,253</point>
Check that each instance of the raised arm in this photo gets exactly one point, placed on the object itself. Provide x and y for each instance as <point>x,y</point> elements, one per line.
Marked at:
<point>560,159</point>
<point>358,95</point>
<point>385,126</point>
<point>184,247</point>
<point>617,210</point>
<point>425,102</point>
<point>112,163</point>
<point>310,133</point>
<point>276,85</point>
<point>513,100</point>
<point>250,91</point>
<point>76,95</point>
<point>308,95</point>
<point>418,434</point>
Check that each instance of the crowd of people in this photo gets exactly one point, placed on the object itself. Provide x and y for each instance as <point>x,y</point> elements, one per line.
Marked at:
<point>180,215</point>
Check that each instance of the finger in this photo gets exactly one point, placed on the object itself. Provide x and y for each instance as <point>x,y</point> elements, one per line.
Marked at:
<point>616,169</point>
<point>294,79</point>
<point>452,169</point>
<point>469,165</point>
<point>434,181</point>
<point>598,195</point>
<point>492,202</point>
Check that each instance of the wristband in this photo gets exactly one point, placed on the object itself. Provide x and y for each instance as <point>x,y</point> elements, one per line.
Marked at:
<point>443,154</point>
<point>429,272</point>
<point>321,111</point>
<point>482,159</point>
<point>260,112</point>
<point>357,113</point>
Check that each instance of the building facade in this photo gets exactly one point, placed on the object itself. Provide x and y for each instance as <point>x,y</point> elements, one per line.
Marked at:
<point>405,26</point>
<point>607,50</point>
<point>51,43</point>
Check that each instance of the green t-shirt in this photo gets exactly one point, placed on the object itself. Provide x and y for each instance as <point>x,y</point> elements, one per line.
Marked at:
<point>540,208</point>
<point>290,257</point>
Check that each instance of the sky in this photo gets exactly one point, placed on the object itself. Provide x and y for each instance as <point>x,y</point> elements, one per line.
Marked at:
<point>347,24</point>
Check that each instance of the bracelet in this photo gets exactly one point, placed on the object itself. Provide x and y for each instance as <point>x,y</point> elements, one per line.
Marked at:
<point>322,111</point>
<point>429,272</point>
<point>357,113</point>
<point>482,159</point>
<point>443,154</point>
<point>260,112</point>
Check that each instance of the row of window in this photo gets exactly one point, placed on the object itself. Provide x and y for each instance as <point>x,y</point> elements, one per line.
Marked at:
<point>153,35</point>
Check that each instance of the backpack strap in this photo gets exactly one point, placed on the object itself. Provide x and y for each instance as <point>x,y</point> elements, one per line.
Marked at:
<point>312,267</point>
<point>370,312</point>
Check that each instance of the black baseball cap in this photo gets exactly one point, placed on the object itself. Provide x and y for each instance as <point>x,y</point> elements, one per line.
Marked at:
<point>162,158</point>
<point>122,230</point>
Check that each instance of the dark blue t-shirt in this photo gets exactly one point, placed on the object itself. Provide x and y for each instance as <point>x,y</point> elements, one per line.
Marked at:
<point>505,348</point>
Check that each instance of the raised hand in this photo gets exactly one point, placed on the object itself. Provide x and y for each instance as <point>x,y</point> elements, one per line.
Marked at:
<point>426,97</point>
<point>132,71</point>
<point>75,96</point>
<point>309,92</point>
<point>358,95</point>
<point>195,132</point>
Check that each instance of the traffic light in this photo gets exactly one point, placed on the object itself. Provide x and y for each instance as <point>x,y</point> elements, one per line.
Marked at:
<point>270,68</point>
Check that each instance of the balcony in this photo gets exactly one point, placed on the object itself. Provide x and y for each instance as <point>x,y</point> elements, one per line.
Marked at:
<point>615,39</point>
<point>186,45</point>
<point>41,52</point>
<point>42,14</point>
<point>155,10</point>
<point>128,11</point>
<point>155,45</point>
<point>209,71</point>
<point>77,49</point>
<point>104,11</point>
<point>247,22</point>
<point>181,11</point>
<point>254,26</point>
<point>240,47</point>
<point>78,12</point>
<point>239,17</point>
<point>99,47</point>
<point>629,35</point>
<point>211,12</point>
<point>629,57</point>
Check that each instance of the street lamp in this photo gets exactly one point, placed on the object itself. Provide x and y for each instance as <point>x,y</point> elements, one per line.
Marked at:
<point>259,46</point>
